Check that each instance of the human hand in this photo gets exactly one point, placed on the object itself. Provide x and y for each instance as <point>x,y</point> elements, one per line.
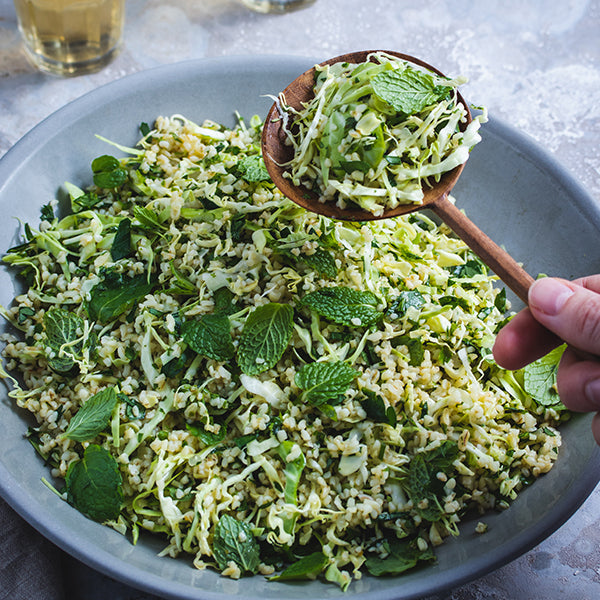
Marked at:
<point>560,311</point>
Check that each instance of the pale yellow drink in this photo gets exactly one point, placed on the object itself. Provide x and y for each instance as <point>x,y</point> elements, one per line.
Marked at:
<point>70,37</point>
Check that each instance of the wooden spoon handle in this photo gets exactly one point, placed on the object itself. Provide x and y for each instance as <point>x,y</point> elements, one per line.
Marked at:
<point>497,259</point>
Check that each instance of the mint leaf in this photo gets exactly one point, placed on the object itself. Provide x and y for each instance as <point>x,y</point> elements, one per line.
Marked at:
<point>405,300</point>
<point>539,378</point>
<point>403,555</point>
<point>121,246</point>
<point>323,381</point>
<point>115,295</point>
<point>321,261</point>
<point>265,336</point>
<point>345,305</point>
<point>147,219</point>
<point>233,541</point>
<point>93,485</point>
<point>376,410</point>
<point>210,336</point>
<point>108,172</point>
<point>93,416</point>
<point>308,567</point>
<point>208,438</point>
<point>423,483</point>
<point>252,169</point>
<point>64,331</point>
<point>408,91</point>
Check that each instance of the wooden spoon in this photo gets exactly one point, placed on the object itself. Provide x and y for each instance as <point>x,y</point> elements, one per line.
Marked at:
<point>277,153</point>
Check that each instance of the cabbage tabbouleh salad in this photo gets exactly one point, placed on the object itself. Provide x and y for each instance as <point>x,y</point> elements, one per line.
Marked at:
<point>270,391</point>
<point>377,132</point>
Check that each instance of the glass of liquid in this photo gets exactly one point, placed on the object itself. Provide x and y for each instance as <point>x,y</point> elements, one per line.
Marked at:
<point>71,37</point>
<point>277,6</point>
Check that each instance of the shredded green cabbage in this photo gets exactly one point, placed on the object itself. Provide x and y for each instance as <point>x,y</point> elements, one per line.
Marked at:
<point>376,133</point>
<point>289,388</point>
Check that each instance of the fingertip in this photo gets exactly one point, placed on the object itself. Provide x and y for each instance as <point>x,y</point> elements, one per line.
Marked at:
<point>596,428</point>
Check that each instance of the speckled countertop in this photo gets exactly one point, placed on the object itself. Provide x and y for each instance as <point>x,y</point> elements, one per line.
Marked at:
<point>533,63</point>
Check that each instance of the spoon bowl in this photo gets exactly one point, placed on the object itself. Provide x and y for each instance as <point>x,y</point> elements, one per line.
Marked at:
<point>277,153</point>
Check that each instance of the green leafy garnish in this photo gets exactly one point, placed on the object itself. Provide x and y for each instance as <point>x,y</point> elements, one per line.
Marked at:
<point>208,438</point>
<point>210,336</point>
<point>376,409</point>
<point>234,542</point>
<point>93,417</point>
<point>307,567</point>
<point>324,381</point>
<point>265,336</point>
<point>539,378</point>
<point>93,485</point>
<point>424,487</point>
<point>121,246</point>
<point>402,556</point>
<point>108,172</point>
<point>405,300</point>
<point>408,91</point>
<point>345,305</point>
<point>115,295</point>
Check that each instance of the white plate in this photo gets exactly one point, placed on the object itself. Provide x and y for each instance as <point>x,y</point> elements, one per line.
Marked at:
<point>515,192</point>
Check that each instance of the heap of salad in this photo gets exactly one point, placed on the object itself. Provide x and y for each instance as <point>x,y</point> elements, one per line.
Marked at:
<point>376,133</point>
<point>269,391</point>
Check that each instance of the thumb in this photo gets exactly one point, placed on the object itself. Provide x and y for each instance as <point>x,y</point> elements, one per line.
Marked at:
<point>569,310</point>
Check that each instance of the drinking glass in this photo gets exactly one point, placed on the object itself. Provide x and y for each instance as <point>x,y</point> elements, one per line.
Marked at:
<point>70,37</point>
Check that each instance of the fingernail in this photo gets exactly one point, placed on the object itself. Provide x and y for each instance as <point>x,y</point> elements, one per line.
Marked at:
<point>592,392</point>
<point>549,295</point>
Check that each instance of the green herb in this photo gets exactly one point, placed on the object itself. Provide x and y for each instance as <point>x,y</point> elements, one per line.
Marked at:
<point>402,556</point>
<point>471,268</point>
<point>539,378</point>
<point>93,485</point>
<point>408,91</point>
<point>24,313</point>
<point>322,261</point>
<point>64,331</point>
<point>454,301</point>
<point>210,336</point>
<point>416,350</point>
<point>116,294</point>
<point>376,409</point>
<point>208,438</point>
<point>423,484</point>
<point>47,213</point>
<point>144,128</point>
<point>121,246</point>
<point>183,286</point>
<point>500,300</point>
<point>234,542</point>
<point>323,381</point>
<point>93,416</point>
<point>147,219</point>
<point>108,172</point>
<point>252,169</point>
<point>265,336</point>
<point>405,300</point>
<point>223,300</point>
<point>133,409</point>
<point>307,567</point>
<point>345,305</point>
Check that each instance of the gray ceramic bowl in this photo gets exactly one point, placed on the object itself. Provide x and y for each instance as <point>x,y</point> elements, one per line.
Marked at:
<point>510,188</point>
